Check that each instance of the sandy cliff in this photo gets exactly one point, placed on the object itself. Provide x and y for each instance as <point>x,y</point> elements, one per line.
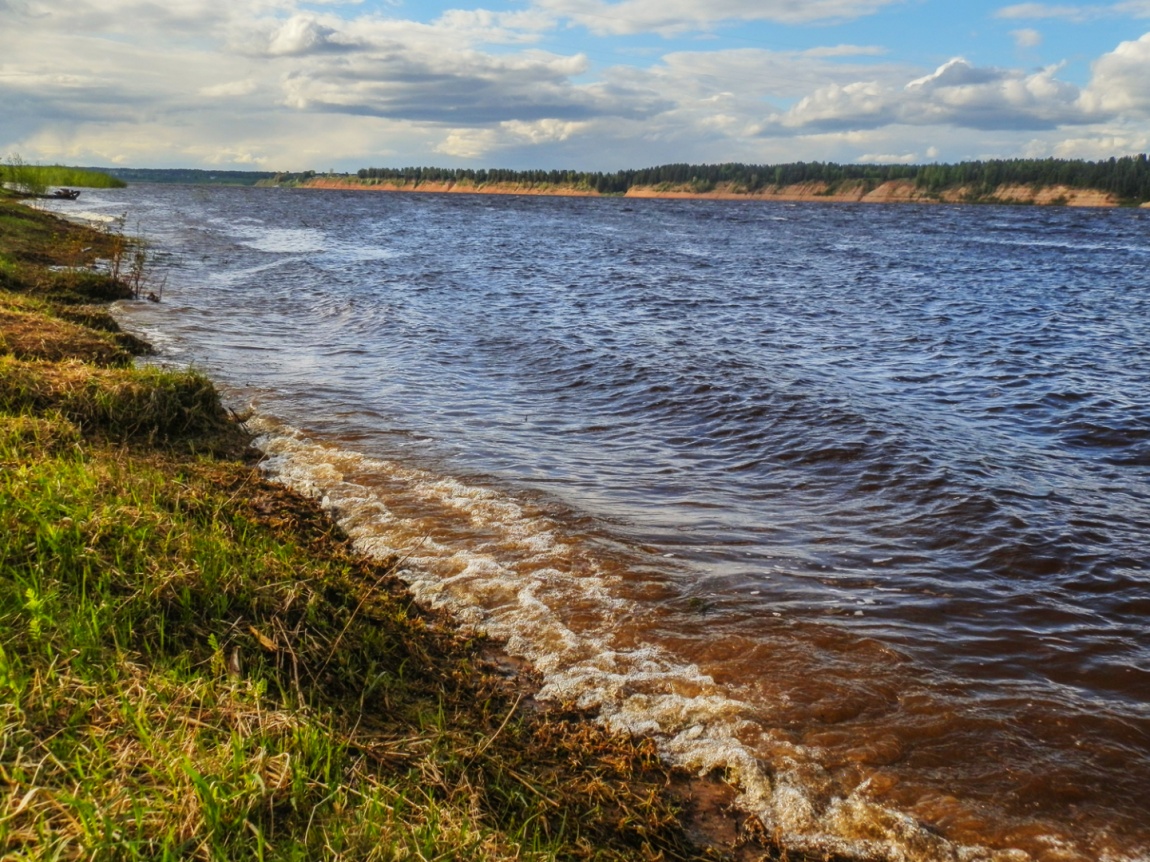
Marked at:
<point>895,191</point>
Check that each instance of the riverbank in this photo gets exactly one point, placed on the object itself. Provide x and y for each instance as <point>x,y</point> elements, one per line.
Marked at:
<point>851,191</point>
<point>194,662</point>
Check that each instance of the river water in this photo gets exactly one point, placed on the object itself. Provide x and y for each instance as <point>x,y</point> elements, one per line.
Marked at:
<point>852,502</point>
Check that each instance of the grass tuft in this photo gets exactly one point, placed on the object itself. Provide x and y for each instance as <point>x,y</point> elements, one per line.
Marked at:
<point>147,405</point>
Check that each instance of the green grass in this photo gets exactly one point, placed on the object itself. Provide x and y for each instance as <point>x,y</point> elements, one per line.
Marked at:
<point>194,664</point>
<point>58,176</point>
<point>183,674</point>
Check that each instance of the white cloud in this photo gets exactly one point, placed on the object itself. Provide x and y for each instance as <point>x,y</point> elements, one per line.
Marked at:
<point>301,34</point>
<point>230,89</point>
<point>861,104</point>
<point>847,51</point>
<point>954,73</point>
<point>480,143</point>
<point>957,94</point>
<point>543,131</point>
<point>257,141</point>
<point>1043,10</point>
<point>752,75</point>
<point>468,87</point>
<point>1119,82</point>
<point>1102,145</point>
<point>888,159</point>
<point>232,156</point>
<point>1026,38</point>
<point>1077,14</point>
<point>469,143</point>
<point>670,17</point>
<point>175,22</point>
<point>498,27</point>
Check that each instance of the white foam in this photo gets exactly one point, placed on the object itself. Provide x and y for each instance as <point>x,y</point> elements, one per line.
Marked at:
<point>512,575</point>
<point>92,217</point>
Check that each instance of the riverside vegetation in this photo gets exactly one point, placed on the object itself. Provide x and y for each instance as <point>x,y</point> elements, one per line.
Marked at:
<point>195,664</point>
<point>1126,179</point>
<point>37,179</point>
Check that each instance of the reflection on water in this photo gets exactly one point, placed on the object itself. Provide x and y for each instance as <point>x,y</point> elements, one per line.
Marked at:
<point>851,500</point>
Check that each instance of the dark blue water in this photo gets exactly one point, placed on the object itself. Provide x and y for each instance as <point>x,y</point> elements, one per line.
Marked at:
<point>877,475</point>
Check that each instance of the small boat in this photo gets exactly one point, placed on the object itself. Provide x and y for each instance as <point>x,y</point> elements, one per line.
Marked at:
<point>65,194</point>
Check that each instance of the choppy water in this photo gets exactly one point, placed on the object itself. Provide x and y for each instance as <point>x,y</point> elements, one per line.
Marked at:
<point>852,501</point>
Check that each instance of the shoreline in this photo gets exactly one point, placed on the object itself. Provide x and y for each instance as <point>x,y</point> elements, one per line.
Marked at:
<point>162,441</point>
<point>516,676</point>
<point>853,191</point>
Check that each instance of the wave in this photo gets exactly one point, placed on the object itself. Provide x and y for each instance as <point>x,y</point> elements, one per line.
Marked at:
<point>504,569</point>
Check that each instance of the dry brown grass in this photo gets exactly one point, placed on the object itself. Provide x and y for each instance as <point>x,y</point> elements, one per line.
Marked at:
<point>122,404</point>
<point>33,336</point>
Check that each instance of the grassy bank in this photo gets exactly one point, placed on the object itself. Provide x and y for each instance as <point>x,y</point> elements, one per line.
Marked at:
<point>35,179</point>
<point>194,663</point>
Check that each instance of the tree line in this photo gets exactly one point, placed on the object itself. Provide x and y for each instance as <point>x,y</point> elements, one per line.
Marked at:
<point>191,176</point>
<point>1128,178</point>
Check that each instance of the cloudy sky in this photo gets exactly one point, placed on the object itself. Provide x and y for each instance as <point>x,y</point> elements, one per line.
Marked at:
<point>585,84</point>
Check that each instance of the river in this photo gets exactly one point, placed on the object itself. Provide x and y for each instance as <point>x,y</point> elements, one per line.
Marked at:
<point>849,501</point>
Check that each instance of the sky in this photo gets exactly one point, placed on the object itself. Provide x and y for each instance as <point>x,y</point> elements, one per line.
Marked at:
<point>291,85</point>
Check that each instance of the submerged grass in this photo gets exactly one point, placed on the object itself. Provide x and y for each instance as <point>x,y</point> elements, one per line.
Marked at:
<point>195,664</point>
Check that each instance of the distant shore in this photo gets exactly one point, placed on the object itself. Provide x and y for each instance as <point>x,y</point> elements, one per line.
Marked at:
<point>851,191</point>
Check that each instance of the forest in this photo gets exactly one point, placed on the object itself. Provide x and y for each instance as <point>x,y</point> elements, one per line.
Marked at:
<point>1127,178</point>
<point>190,176</point>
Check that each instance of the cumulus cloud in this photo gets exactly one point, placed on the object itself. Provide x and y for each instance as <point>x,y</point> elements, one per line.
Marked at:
<point>727,101</point>
<point>469,143</point>
<point>861,104</point>
<point>1100,145</point>
<point>302,34</point>
<point>670,17</point>
<point>477,143</point>
<point>957,93</point>
<point>467,87</point>
<point>1119,80</point>
<point>752,76</point>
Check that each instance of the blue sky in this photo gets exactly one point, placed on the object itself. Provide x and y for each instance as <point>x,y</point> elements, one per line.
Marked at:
<point>586,84</point>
